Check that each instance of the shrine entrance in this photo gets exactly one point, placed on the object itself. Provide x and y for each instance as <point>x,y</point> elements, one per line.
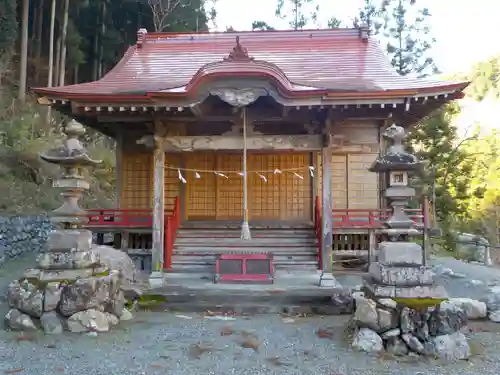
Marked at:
<point>271,196</point>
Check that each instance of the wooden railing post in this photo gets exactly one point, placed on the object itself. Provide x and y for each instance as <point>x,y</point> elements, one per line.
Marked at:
<point>167,247</point>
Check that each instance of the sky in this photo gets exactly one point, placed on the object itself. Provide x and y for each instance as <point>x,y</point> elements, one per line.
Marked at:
<point>464,29</point>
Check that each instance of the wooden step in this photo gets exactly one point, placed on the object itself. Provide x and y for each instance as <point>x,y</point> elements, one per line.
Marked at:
<point>216,233</point>
<point>225,241</point>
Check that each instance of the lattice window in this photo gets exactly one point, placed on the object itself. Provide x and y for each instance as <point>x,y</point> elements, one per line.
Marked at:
<point>265,201</point>
<point>229,190</point>
<point>201,192</point>
<point>295,192</point>
<point>172,182</point>
<point>136,184</point>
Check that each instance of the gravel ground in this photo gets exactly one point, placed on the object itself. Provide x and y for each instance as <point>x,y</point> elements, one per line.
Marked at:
<point>165,343</point>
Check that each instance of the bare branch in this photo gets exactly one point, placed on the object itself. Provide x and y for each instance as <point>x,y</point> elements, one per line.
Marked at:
<point>160,10</point>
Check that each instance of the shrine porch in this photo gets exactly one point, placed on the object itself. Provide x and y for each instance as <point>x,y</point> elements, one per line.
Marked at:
<point>193,245</point>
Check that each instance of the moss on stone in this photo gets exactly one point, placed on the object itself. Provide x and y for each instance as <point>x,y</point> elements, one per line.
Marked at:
<point>419,303</point>
<point>101,274</point>
<point>149,300</point>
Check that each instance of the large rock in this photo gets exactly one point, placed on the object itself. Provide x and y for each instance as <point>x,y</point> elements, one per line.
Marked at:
<point>117,260</point>
<point>413,343</point>
<point>396,346</point>
<point>492,298</point>
<point>379,319</point>
<point>447,321</point>
<point>88,321</point>
<point>473,308</point>
<point>51,323</point>
<point>25,297</point>
<point>17,321</point>
<point>93,292</point>
<point>450,347</point>
<point>53,293</point>
<point>367,340</point>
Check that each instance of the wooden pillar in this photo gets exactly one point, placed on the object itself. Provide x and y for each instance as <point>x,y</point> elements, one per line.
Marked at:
<point>158,213</point>
<point>327,279</point>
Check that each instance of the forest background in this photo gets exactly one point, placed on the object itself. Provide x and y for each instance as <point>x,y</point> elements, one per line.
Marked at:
<point>57,42</point>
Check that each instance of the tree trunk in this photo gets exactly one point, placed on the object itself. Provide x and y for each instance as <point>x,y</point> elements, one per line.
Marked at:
<point>95,54</point>
<point>103,31</point>
<point>38,46</point>
<point>24,50</point>
<point>58,59</point>
<point>34,28</point>
<point>51,56</point>
<point>62,66</point>
<point>76,68</point>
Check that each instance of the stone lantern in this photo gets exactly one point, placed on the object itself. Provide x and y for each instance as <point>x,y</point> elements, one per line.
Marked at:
<point>397,164</point>
<point>75,285</point>
<point>400,272</point>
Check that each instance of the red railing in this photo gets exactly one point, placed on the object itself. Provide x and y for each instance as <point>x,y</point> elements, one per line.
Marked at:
<point>317,228</point>
<point>359,218</point>
<point>365,218</point>
<point>120,218</point>
<point>172,223</point>
<point>133,218</point>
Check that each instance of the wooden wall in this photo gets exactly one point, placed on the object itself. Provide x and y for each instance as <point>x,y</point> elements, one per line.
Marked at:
<point>356,146</point>
<point>137,180</point>
<point>284,196</point>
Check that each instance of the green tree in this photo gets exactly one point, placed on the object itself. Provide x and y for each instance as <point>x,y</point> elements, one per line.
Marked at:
<point>8,25</point>
<point>485,77</point>
<point>261,25</point>
<point>449,172</point>
<point>408,35</point>
<point>297,12</point>
<point>334,23</point>
<point>370,16</point>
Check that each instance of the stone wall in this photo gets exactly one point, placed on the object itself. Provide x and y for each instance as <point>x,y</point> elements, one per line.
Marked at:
<point>20,235</point>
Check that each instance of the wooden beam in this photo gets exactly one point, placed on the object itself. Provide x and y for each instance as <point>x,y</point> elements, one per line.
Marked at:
<point>257,142</point>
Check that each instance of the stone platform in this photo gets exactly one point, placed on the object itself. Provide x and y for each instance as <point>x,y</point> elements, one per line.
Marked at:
<point>292,292</point>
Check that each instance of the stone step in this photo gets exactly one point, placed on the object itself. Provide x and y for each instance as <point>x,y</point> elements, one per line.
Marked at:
<point>236,224</point>
<point>237,233</point>
<point>212,258</point>
<point>244,243</point>
<point>228,249</point>
<point>275,251</point>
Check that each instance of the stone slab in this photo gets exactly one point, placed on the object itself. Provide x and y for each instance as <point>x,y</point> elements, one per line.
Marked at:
<point>397,275</point>
<point>61,240</point>
<point>400,254</point>
<point>327,280</point>
<point>156,280</point>
<point>413,292</point>
<point>70,260</point>
<point>380,291</point>
<point>60,275</point>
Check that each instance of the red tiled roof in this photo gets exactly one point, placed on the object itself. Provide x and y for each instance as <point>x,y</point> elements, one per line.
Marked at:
<point>335,61</point>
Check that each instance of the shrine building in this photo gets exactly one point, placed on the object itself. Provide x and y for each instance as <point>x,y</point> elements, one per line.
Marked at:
<point>265,136</point>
